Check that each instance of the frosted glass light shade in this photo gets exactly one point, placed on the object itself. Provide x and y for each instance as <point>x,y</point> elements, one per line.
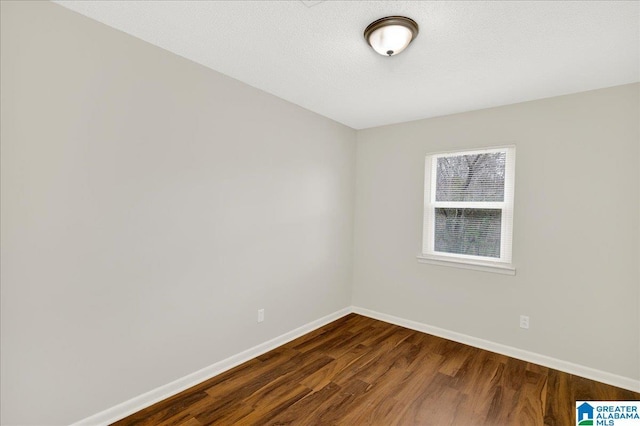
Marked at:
<point>391,35</point>
<point>390,40</point>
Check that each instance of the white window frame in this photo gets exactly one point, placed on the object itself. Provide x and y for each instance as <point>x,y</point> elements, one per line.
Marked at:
<point>503,264</point>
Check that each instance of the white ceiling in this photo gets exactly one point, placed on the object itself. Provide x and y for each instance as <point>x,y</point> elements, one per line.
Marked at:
<point>469,55</point>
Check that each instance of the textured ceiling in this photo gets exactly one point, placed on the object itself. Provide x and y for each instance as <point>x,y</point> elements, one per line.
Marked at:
<point>469,55</point>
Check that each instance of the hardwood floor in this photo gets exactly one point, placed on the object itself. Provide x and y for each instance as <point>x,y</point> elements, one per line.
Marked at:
<point>360,371</point>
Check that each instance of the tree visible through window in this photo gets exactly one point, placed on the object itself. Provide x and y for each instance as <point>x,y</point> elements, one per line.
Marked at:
<point>469,204</point>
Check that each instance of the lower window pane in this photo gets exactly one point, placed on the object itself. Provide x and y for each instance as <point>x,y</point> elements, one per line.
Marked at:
<point>474,232</point>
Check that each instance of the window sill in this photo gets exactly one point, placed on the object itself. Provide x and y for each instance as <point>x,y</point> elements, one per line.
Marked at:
<point>496,268</point>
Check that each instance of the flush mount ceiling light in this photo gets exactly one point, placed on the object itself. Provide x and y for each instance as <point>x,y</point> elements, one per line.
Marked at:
<point>391,35</point>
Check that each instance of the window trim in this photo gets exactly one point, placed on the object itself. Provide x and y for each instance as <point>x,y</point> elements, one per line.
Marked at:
<point>490,264</point>
<point>496,267</point>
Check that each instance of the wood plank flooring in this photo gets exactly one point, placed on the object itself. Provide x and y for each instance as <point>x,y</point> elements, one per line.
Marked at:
<point>360,371</point>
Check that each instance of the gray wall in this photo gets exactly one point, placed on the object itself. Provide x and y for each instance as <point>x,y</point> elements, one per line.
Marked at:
<point>150,206</point>
<point>576,246</point>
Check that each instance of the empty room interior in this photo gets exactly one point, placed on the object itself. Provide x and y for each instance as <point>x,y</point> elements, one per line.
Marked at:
<point>319,212</point>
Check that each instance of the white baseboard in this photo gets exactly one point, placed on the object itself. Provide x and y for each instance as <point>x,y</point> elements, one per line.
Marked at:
<point>547,361</point>
<point>140,402</point>
<point>147,399</point>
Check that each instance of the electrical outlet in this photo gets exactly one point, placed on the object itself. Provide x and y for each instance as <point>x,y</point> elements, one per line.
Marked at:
<point>524,321</point>
<point>260,315</point>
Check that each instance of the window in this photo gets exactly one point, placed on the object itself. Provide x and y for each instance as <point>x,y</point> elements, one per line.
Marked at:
<point>468,209</point>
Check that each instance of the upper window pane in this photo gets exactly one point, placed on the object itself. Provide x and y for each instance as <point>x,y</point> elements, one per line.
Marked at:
<point>475,177</point>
